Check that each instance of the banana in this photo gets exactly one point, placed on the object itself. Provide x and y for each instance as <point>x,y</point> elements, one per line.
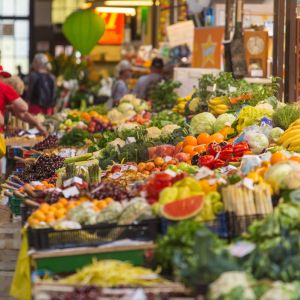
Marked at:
<point>289,134</point>
<point>291,141</point>
<point>295,142</point>
<point>293,127</point>
<point>221,107</point>
<point>297,122</point>
<point>217,100</point>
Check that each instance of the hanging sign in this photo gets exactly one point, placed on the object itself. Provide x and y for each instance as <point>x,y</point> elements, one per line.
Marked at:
<point>114,33</point>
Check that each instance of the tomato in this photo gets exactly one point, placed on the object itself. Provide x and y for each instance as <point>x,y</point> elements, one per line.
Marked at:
<point>240,148</point>
<point>226,152</point>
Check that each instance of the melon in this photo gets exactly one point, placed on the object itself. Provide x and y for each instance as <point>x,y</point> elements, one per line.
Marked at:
<point>182,209</point>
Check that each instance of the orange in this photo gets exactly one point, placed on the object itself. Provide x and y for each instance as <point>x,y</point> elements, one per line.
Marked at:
<point>39,215</point>
<point>101,204</point>
<point>50,220</point>
<point>58,205</point>
<point>179,147</point>
<point>60,213</point>
<point>200,148</point>
<point>203,138</point>
<point>190,140</point>
<point>217,138</point>
<point>277,157</point>
<point>63,201</point>
<point>295,158</point>
<point>108,200</point>
<point>189,149</point>
<point>44,207</point>
<point>33,221</point>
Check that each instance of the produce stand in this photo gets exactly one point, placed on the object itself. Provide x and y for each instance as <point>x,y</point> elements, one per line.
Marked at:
<point>70,260</point>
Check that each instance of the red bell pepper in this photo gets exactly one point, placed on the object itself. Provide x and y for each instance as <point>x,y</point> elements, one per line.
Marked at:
<point>226,152</point>
<point>219,163</point>
<point>213,149</point>
<point>206,161</point>
<point>240,148</point>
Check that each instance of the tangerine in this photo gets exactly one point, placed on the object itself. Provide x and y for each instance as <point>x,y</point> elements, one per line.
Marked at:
<point>179,147</point>
<point>39,215</point>
<point>217,138</point>
<point>189,149</point>
<point>200,148</point>
<point>203,138</point>
<point>33,221</point>
<point>190,140</point>
<point>295,158</point>
<point>45,207</point>
<point>277,157</point>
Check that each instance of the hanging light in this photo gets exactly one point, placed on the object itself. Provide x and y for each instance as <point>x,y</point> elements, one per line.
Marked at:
<point>129,3</point>
<point>119,10</point>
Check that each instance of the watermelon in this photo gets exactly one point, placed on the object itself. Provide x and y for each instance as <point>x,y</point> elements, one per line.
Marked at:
<point>183,209</point>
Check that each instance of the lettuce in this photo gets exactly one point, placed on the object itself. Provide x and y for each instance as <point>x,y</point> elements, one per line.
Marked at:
<point>222,121</point>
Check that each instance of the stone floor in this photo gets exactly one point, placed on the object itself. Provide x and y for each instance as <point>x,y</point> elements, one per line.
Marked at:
<point>10,240</point>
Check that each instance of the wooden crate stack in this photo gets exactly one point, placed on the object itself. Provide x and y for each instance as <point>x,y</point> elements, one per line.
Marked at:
<point>10,241</point>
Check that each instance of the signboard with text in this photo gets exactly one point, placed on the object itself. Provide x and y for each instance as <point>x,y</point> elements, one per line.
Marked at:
<point>114,32</point>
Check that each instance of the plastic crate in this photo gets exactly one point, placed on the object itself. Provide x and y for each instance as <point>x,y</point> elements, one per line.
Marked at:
<point>93,235</point>
<point>14,205</point>
<point>237,225</point>
<point>219,226</point>
<point>26,212</point>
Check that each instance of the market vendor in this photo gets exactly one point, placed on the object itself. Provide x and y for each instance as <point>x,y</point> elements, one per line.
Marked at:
<point>120,86</point>
<point>10,98</point>
<point>145,83</point>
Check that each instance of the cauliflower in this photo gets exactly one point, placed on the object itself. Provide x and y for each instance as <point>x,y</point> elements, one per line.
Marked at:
<point>168,129</point>
<point>128,98</point>
<point>127,126</point>
<point>117,143</point>
<point>229,281</point>
<point>115,116</point>
<point>129,114</point>
<point>280,291</point>
<point>153,132</point>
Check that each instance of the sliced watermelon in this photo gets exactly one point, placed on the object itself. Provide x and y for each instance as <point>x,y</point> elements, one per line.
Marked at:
<point>182,209</point>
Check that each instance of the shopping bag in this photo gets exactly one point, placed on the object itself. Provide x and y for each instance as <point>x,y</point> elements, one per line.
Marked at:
<point>21,284</point>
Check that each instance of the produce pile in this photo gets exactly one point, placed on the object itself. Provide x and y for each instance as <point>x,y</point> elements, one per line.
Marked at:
<point>221,165</point>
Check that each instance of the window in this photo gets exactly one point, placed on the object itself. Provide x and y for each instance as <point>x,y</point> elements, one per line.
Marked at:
<point>14,34</point>
<point>62,8</point>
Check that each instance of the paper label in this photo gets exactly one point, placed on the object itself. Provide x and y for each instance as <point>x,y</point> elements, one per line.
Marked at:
<point>35,183</point>
<point>266,122</point>
<point>168,158</point>
<point>130,140</point>
<point>248,183</point>
<point>116,175</point>
<point>33,131</point>
<point>203,173</point>
<point>228,169</point>
<point>73,180</point>
<point>232,89</point>
<point>170,172</point>
<point>257,73</point>
<point>241,249</point>
<point>211,88</point>
<point>70,192</point>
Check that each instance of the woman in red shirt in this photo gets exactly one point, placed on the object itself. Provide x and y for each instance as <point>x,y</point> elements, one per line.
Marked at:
<point>9,97</point>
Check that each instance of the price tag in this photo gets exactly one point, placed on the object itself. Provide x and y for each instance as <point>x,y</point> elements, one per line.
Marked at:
<point>266,122</point>
<point>21,133</point>
<point>33,131</point>
<point>248,183</point>
<point>70,192</point>
<point>170,172</point>
<point>211,88</point>
<point>241,249</point>
<point>257,73</point>
<point>232,89</point>
<point>168,158</point>
<point>228,169</point>
<point>72,181</point>
<point>116,175</point>
<point>35,183</point>
<point>203,173</point>
<point>130,140</point>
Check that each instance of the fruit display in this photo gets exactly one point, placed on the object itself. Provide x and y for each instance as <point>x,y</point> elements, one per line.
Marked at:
<point>209,183</point>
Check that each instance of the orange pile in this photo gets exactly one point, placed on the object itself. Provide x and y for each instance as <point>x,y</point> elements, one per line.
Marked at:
<point>192,146</point>
<point>52,213</point>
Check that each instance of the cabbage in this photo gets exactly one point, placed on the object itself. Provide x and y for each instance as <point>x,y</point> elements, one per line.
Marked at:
<point>153,133</point>
<point>222,121</point>
<point>127,126</point>
<point>144,106</point>
<point>129,114</point>
<point>168,129</point>
<point>128,98</point>
<point>124,107</point>
<point>203,122</point>
<point>275,134</point>
<point>257,142</point>
<point>276,174</point>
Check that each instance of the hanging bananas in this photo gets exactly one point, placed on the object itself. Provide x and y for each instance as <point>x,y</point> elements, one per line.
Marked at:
<point>218,105</point>
<point>290,139</point>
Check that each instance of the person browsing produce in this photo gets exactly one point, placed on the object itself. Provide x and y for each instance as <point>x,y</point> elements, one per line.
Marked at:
<point>120,87</point>
<point>147,82</point>
<point>9,97</point>
<point>41,88</point>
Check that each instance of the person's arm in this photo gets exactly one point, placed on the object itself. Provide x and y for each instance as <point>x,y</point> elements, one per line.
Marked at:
<point>20,109</point>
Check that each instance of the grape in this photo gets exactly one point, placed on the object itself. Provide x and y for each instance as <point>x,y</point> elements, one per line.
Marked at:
<point>43,168</point>
<point>110,190</point>
<point>50,142</point>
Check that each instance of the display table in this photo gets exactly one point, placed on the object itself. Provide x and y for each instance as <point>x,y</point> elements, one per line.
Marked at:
<point>70,260</point>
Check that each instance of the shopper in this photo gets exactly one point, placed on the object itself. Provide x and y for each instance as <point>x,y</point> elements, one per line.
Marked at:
<point>9,99</point>
<point>20,73</point>
<point>41,87</point>
<point>120,86</point>
<point>146,83</point>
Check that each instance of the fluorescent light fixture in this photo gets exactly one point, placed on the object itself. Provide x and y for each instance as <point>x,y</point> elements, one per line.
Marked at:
<point>119,10</point>
<point>129,3</point>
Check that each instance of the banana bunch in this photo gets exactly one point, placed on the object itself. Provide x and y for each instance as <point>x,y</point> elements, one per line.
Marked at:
<point>218,105</point>
<point>290,139</point>
<point>181,103</point>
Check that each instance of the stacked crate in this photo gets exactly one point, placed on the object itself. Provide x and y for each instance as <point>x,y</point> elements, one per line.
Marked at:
<point>10,241</point>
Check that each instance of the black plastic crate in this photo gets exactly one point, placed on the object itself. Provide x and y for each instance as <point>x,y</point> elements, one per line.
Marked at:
<point>237,225</point>
<point>93,235</point>
<point>26,212</point>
